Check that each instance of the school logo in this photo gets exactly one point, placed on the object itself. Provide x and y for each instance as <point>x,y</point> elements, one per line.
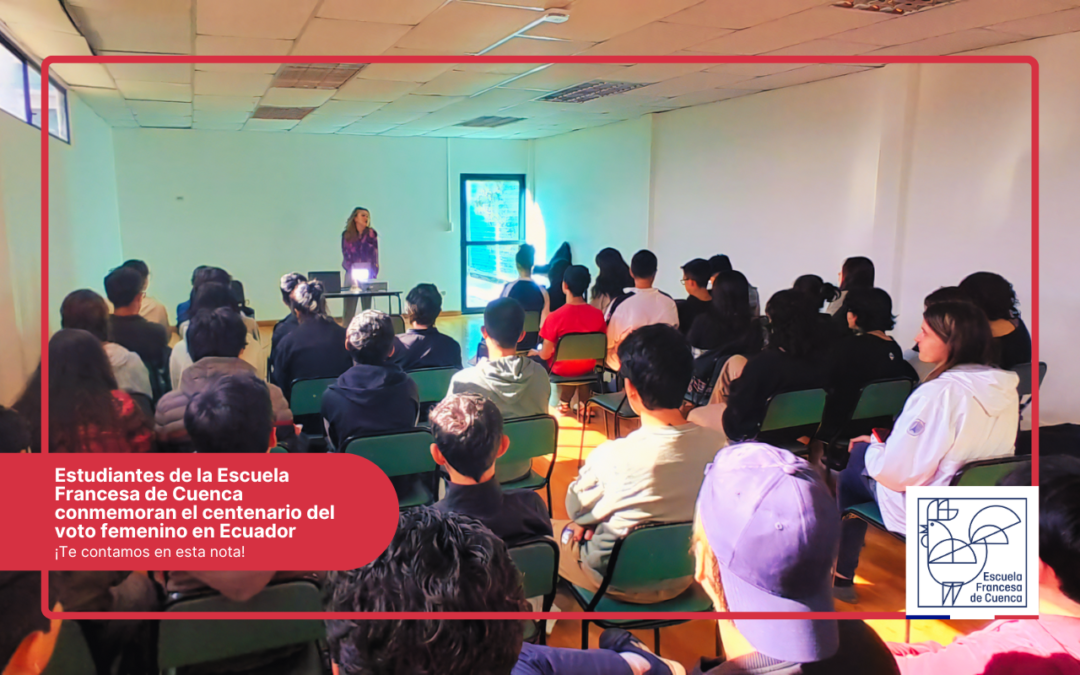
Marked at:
<point>972,552</point>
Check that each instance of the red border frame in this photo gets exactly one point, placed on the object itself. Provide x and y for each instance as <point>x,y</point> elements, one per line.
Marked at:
<point>688,616</point>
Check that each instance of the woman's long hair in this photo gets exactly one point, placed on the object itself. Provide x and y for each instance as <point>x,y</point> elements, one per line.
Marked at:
<point>614,274</point>
<point>858,273</point>
<point>731,301</point>
<point>81,383</point>
<point>817,290</point>
<point>351,233</point>
<point>793,324</point>
<point>965,330</point>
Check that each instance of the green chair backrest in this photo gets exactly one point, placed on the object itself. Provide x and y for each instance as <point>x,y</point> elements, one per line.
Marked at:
<point>652,553</point>
<point>581,346</point>
<point>399,323</point>
<point>529,437</point>
<point>400,454</point>
<point>182,643</point>
<point>538,562</point>
<point>882,399</point>
<point>278,450</point>
<point>71,655</point>
<point>306,395</point>
<point>988,472</point>
<point>532,321</point>
<point>1024,388</point>
<point>433,383</point>
<point>794,409</point>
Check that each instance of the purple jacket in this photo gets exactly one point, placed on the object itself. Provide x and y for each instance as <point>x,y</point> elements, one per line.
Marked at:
<point>364,250</point>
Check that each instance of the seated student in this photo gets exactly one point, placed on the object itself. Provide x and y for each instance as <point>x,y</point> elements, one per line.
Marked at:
<point>531,296</point>
<point>14,432</point>
<point>290,322</point>
<point>556,270</point>
<point>27,638</point>
<point>88,311</point>
<point>184,307</point>
<point>422,345</point>
<point>87,412</point>
<point>612,279</point>
<point>214,339</point>
<point>965,410</point>
<point>151,309</point>
<point>994,295</point>
<point>866,355</point>
<point>210,296</point>
<point>791,361</point>
<point>643,307</point>
<point>316,348</point>
<point>468,431</point>
<point>1048,645</point>
<point>576,316</point>
<point>816,290</point>
<point>651,475</point>
<point>696,275</point>
<point>856,272</point>
<point>517,385</point>
<point>129,330</point>
<point>375,395</point>
<point>718,264</point>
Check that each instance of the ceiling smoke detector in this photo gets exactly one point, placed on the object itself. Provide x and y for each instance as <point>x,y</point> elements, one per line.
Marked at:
<point>590,91</point>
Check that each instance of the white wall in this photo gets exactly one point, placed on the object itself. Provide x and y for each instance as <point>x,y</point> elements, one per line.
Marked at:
<point>263,204</point>
<point>83,228</point>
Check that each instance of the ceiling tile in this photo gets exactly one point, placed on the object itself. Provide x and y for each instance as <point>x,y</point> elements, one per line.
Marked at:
<point>460,83</point>
<point>84,74</point>
<point>314,125</point>
<point>231,84</point>
<point>740,72</point>
<point>40,13</point>
<point>215,126</point>
<point>393,117</point>
<point>951,18</point>
<point>504,68</point>
<point>963,41</point>
<point>220,117</point>
<point>427,123</point>
<point>823,47</point>
<point>162,26</point>
<point>213,45</point>
<point>154,91</point>
<point>630,101</point>
<point>658,72</point>
<point>801,75</point>
<point>159,108</point>
<point>165,121</point>
<point>359,89</point>
<point>464,28</point>
<point>685,84</point>
<point>105,102</point>
<point>533,109</point>
<point>269,125</point>
<point>422,104</point>
<point>43,40</point>
<point>288,97</point>
<point>405,72</point>
<point>406,12</point>
<point>599,20</point>
<point>562,75</point>
<point>794,29</point>
<point>1056,23</point>
<point>346,110</point>
<point>738,14</point>
<point>528,46</point>
<point>451,132</point>
<point>362,127</point>
<point>400,132</point>
<point>656,38</point>
<point>708,96</point>
<point>178,73</point>
<point>281,19</point>
<point>226,103</point>
<point>333,37</point>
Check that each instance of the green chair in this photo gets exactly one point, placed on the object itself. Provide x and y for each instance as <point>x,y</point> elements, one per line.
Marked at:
<point>649,553</point>
<point>790,416</point>
<point>869,512</point>
<point>433,383</point>
<point>277,449</point>
<point>1025,388</point>
<point>405,456</point>
<point>399,323</point>
<point>530,437</point>
<point>185,643</point>
<point>581,347</point>
<point>615,405</point>
<point>305,397</point>
<point>538,562</point>
<point>71,655</point>
<point>988,472</point>
<point>878,405</point>
<point>532,322</point>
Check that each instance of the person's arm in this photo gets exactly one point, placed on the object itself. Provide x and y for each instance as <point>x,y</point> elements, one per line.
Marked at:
<point>924,432</point>
<point>588,500</point>
<point>749,392</point>
<point>375,253</point>
<point>546,351</point>
<point>547,304</point>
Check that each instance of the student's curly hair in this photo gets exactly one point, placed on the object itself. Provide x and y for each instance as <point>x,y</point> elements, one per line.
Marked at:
<point>370,337</point>
<point>288,285</point>
<point>993,294</point>
<point>436,562</point>
<point>307,298</point>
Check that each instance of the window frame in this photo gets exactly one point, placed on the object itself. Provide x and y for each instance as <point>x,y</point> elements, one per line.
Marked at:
<point>519,178</point>
<point>64,112</point>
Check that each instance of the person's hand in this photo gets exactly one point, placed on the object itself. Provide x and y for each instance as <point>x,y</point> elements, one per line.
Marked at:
<point>579,532</point>
<point>859,439</point>
<point>533,352</point>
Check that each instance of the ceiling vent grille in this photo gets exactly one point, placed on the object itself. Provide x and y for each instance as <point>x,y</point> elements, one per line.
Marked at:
<point>316,75</point>
<point>891,6</point>
<point>267,112</point>
<point>590,91</point>
<point>489,121</point>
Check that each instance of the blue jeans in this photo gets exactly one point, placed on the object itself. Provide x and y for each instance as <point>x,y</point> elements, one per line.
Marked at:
<point>853,487</point>
<point>540,660</point>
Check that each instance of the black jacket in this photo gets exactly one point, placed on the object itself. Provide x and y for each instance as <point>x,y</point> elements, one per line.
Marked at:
<point>513,515</point>
<point>370,400</point>
<point>315,348</point>
<point>426,348</point>
<point>769,373</point>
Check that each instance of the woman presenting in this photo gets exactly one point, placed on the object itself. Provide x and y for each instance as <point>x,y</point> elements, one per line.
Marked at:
<point>359,243</point>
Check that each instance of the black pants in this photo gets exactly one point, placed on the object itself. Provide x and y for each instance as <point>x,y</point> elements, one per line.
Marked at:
<point>853,487</point>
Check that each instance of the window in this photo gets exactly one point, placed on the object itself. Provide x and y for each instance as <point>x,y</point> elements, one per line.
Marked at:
<point>492,229</point>
<point>20,93</point>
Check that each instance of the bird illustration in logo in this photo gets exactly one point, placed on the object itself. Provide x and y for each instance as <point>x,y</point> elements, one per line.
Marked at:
<point>953,562</point>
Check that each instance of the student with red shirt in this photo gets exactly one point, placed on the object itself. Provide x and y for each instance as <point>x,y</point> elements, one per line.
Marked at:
<point>576,316</point>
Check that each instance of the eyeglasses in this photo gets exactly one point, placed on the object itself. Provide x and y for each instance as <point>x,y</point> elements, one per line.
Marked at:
<point>683,282</point>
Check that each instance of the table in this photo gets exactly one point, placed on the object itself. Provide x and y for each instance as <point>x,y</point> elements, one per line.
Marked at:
<point>365,298</point>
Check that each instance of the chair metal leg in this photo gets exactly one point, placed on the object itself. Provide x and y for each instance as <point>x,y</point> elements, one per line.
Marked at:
<point>542,627</point>
<point>617,433</point>
<point>584,634</point>
<point>550,515</point>
<point>719,643</point>
<point>656,641</point>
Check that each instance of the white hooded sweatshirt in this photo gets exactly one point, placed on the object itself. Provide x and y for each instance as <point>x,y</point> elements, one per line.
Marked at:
<point>967,413</point>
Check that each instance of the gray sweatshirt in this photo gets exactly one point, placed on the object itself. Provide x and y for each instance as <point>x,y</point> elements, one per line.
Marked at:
<point>518,386</point>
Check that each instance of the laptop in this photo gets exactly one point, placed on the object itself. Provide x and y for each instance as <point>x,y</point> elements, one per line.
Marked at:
<point>331,281</point>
